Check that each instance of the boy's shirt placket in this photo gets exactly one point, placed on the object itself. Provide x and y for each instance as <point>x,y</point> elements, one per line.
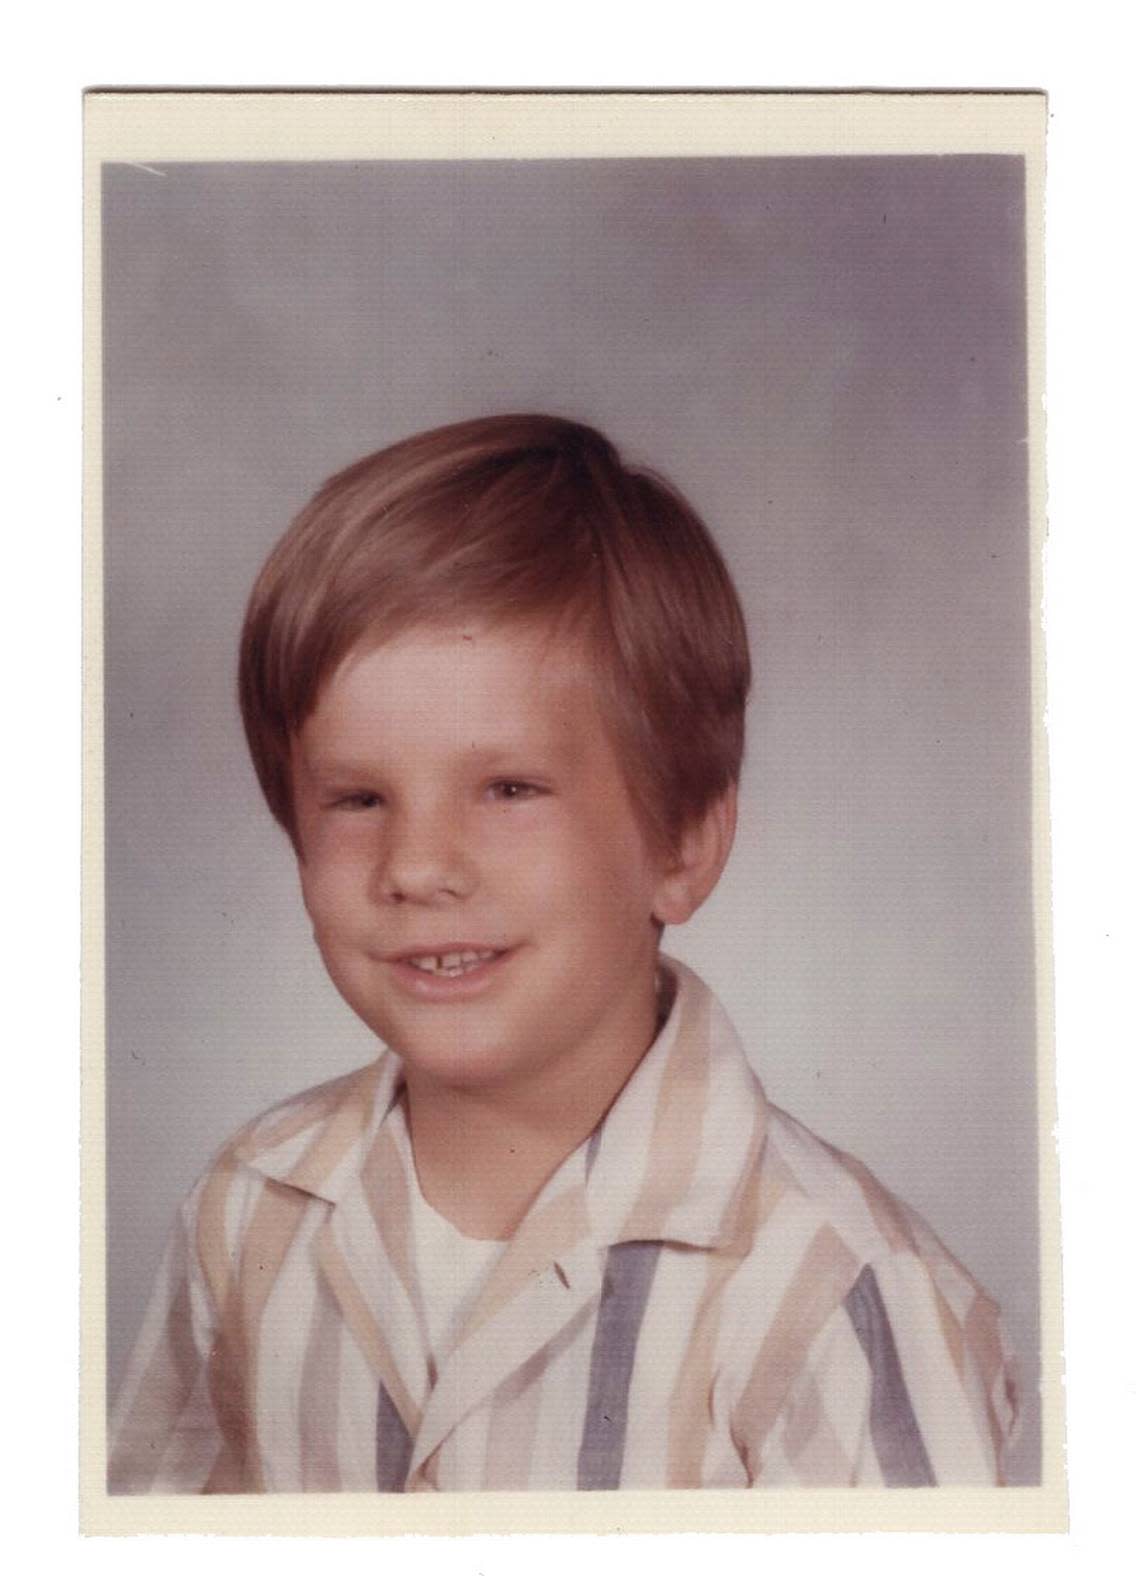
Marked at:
<point>549,1273</point>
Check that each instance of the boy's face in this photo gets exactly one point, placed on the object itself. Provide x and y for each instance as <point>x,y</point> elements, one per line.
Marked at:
<point>480,888</point>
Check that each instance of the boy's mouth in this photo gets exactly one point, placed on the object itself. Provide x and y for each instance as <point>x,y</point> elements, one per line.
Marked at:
<point>452,964</point>
<point>455,972</point>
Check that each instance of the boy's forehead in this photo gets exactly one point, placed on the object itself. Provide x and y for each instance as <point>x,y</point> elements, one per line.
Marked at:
<point>492,681</point>
<point>471,653</point>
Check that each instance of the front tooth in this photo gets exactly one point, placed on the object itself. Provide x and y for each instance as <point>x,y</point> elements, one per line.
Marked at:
<point>451,962</point>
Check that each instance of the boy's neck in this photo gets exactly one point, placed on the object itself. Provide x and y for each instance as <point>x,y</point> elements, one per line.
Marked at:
<point>483,1155</point>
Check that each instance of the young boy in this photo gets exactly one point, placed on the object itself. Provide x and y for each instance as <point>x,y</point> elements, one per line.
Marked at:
<point>554,1237</point>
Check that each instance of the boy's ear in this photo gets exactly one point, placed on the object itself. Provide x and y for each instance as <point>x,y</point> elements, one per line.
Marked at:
<point>695,868</point>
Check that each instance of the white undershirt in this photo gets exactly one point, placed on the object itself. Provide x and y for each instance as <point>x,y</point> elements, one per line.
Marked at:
<point>452,1269</point>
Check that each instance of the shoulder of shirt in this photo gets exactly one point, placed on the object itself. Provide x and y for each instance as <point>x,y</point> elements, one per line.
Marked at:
<point>822,1188</point>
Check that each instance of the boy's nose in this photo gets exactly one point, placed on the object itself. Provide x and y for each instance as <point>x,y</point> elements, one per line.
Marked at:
<point>422,863</point>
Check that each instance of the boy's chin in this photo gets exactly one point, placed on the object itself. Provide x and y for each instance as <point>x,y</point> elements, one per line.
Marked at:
<point>474,1067</point>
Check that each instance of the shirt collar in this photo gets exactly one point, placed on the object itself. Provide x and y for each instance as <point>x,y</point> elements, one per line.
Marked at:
<point>317,1142</point>
<point>671,1157</point>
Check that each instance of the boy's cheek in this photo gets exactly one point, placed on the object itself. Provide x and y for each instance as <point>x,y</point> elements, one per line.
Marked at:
<point>324,896</point>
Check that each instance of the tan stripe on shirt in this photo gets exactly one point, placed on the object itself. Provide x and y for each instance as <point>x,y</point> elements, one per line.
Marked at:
<point>825,1274</point>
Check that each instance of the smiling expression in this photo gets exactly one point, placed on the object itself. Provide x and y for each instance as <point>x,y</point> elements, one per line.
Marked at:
<point>480,888</point>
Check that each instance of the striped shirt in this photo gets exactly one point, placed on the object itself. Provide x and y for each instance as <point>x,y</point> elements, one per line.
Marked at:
<point>703,1295</point>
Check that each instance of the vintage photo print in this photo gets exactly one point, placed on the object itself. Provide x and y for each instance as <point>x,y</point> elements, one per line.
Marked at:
<point>568,996</point>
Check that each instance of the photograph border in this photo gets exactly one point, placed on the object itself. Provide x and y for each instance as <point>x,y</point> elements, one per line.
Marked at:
<point>148,127</point>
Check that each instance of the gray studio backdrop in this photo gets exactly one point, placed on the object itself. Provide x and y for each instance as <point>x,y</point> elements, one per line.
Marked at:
<point>827,355</point>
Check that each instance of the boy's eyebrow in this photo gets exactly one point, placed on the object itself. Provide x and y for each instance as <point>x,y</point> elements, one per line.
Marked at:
<point>317,764</point>
<point>516,755</point>
<point>519,757</point>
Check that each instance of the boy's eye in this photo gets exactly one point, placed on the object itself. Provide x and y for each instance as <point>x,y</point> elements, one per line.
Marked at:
<point>357,801</point>
<point>508,789</point>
